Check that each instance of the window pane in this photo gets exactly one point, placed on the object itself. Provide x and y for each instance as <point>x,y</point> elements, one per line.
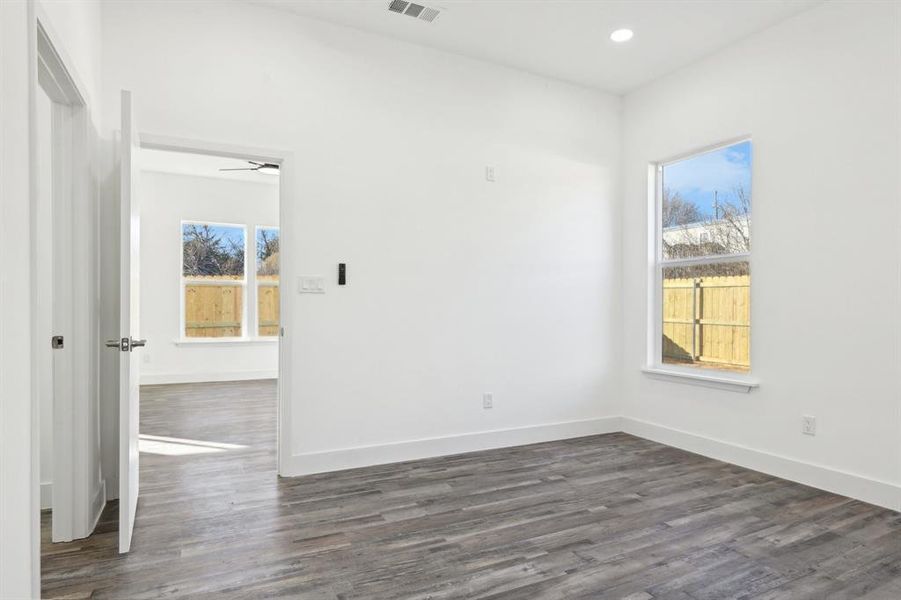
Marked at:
<point>267,276</point>
<point>213,310</point>
<point>212,251</point>
<point>707,316</point>
<point>706,204</point>
<point>267,309</point>
<point>267,254</point>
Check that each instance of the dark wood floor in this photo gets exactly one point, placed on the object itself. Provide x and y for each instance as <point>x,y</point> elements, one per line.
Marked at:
<point>609,516</point>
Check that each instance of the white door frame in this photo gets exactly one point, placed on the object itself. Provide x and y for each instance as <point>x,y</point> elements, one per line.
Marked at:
<point>287,167</point>
<point>76,503</point>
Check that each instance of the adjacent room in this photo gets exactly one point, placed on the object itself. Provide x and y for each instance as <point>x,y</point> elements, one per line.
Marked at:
<point>209,298</point>
<point>498,299</point>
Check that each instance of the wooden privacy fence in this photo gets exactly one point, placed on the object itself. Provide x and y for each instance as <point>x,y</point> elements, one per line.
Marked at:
<point>707,320</point>
<point>267,309</point>
<point>218,310</point>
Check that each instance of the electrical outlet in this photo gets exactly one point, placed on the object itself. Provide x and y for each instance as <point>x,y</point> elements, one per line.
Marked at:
<point>487,401</point>
<point>808,425</point>
<point>489,174</point>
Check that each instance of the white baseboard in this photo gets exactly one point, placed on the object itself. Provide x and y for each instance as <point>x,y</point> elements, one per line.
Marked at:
<point>111,488</point>
<point>364,456</point>
<point>98,502</point>
<point>164,378</point>
<point>873,491</point>
<point>46,494</point>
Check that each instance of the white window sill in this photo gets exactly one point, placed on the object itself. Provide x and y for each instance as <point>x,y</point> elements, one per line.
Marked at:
<point>225,341</point>
<point>723,381</point>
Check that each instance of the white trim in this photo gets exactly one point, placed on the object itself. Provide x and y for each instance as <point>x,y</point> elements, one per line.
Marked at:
<point>363,456</point>
<point>46,495</point>
<point>98,503</point>
<point>212,282</point>
<point>867,489</point>
<point>285,160</point>
<point>704,150</point>
<point>166,378</point>
<point>710,259</point>
<point>74,211</point>
<point>191,146</point>
<point>718,379</point>
<point>68,456</point>
<point>230,341</point>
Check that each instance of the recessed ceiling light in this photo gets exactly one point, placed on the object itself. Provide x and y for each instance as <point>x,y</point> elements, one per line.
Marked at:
<point>621,35</point>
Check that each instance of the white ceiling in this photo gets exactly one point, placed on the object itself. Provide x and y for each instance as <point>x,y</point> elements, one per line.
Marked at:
<point>200,165</point>
<point>567,39</point>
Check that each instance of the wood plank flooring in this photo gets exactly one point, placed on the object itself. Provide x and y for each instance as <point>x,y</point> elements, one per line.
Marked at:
<point>609,516</point>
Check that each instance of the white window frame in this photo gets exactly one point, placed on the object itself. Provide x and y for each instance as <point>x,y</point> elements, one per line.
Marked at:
<point>654,366</point>
<point>186,281</point>
<point>266,282</point>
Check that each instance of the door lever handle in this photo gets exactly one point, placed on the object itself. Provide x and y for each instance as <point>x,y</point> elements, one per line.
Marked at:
<point>126,344</point>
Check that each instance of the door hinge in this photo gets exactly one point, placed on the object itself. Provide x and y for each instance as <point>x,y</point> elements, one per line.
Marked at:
<point>56,342</point>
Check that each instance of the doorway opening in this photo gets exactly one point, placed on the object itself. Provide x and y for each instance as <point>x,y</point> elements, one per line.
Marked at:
<point>64,323</point>
<point>210,309</point>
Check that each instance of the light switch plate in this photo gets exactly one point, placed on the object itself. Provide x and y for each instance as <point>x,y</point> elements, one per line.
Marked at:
<point>307,284</point>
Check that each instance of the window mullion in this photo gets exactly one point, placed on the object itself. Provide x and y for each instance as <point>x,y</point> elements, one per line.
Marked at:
<point>705,260</point>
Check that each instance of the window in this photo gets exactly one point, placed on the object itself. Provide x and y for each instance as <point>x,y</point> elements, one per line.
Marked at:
<point>267,281</point>
<point>702,250</point>
<point>213,280</point>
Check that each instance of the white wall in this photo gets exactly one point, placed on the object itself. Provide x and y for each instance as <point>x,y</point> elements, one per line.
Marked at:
<point>456,286</point>
<point>167,199</point>
<point>19,467</point>
<point>820,96</point>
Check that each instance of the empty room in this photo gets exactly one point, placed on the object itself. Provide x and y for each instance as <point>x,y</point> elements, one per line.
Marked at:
<point>495,299</point>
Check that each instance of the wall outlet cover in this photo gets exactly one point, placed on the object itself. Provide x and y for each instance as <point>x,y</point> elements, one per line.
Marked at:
<point>487,401</point>
<point>808,425</point>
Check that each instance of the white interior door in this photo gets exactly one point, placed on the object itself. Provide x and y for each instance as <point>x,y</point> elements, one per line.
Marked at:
<point>129,391</point>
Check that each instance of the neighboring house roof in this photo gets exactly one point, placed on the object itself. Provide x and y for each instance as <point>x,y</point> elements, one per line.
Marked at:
<point>721,232</point>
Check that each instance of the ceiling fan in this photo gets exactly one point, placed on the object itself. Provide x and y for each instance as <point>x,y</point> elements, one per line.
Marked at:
<point>267,168</point>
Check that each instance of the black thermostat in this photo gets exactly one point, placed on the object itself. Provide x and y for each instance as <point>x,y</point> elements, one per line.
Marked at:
<point>342,274</point>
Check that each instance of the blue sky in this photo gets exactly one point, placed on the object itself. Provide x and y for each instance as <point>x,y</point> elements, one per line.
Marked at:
<point>224,232</point>
<point>699,177</point>
<point>269,230</point>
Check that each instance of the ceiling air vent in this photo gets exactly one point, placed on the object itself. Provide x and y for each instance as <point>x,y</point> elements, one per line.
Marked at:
<point>398,6</point>
<point>411,9</point>
<point>429,14</point>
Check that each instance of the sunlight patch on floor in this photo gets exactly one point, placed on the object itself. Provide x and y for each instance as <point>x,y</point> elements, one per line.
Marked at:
<point>170,446</point>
